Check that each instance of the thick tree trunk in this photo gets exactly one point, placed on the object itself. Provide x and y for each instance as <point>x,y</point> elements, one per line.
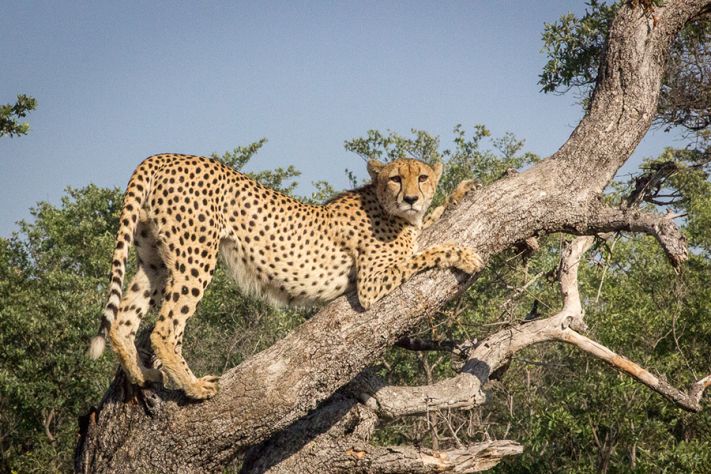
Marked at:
<point>160,431</point>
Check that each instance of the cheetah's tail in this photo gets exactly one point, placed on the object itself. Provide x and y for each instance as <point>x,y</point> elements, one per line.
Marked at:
<point>97,344</point>
<point>136,193</point>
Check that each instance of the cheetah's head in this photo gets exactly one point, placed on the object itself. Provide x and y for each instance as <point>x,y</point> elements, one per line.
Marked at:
<point>405,187</point>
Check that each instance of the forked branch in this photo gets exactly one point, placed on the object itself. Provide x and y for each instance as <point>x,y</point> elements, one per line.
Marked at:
<point>662,227</point>
<point>465,389</point>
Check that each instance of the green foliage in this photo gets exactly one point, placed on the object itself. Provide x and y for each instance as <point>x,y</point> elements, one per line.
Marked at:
<point>53,277</point>
<point>323,191</point>
<point>574,47</point>
<point>377,146</point>
<point>10,115</point>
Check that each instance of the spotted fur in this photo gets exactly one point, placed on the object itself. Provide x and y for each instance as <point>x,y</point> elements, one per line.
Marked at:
<point>181,212</point>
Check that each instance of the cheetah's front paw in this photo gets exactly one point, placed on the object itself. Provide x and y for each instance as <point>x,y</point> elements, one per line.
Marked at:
<point>469,261</point>
<point>461,190</point>
<point>457,256</point>
<point>203,388</point>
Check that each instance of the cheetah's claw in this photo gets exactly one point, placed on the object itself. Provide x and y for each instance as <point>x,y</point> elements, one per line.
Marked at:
<point>469,261</point>
<point>203,388</point>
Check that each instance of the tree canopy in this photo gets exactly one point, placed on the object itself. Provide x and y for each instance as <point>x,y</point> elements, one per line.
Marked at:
<point>11,115</point>
<point>575,47</point>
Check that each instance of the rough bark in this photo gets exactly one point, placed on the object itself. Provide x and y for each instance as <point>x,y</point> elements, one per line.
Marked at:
<point>159,430</point>
<point>335,439</point>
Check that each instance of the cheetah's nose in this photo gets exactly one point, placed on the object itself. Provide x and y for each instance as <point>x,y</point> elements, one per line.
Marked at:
<point>410,199</point>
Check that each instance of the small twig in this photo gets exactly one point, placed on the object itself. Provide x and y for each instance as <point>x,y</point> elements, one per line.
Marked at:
<point>457,441</point>
<point>47,417</point>
<point>604,270</point>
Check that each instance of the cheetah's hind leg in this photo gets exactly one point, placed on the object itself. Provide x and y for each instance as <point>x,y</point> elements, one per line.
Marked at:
<point>143,291</point>
<point>189,276</point>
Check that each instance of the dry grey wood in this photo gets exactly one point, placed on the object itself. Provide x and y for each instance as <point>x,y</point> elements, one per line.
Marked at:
<point>461,391</point>
<point>273,389</point>
<point>335,440</point>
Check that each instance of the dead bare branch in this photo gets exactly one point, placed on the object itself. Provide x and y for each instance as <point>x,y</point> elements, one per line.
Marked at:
<point>335,440</point>
<point>497,349</point>
<point>461,391</point>
<point>690,400</point>
<point>409,460</point>
<point>47,418</point>
<point>662,227</point>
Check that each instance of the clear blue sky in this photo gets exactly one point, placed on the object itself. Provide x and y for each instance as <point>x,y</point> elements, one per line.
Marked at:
<point>118,81</point>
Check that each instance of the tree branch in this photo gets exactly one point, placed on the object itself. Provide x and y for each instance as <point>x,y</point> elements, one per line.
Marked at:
<point>461,391</point>
<point>409,460</point>
<point>335,440</point>
<point>690,400</point>
<point>662,227</point>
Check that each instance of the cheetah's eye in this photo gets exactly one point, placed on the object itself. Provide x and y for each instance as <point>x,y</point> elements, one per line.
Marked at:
<point>395,179</point>
<point>423,178</point>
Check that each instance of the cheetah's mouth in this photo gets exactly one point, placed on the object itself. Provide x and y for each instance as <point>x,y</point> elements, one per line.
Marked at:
<point>410,210</point>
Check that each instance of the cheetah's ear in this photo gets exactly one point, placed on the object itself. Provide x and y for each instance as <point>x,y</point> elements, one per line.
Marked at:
<point>374,169</point>
<point>437,168</point>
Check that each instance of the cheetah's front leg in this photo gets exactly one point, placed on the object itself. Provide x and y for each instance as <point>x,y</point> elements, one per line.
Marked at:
<point>462,189</point>
<point>373,284</point>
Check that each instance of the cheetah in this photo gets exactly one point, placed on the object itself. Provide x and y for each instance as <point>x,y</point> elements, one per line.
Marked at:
<point>182,211</point>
